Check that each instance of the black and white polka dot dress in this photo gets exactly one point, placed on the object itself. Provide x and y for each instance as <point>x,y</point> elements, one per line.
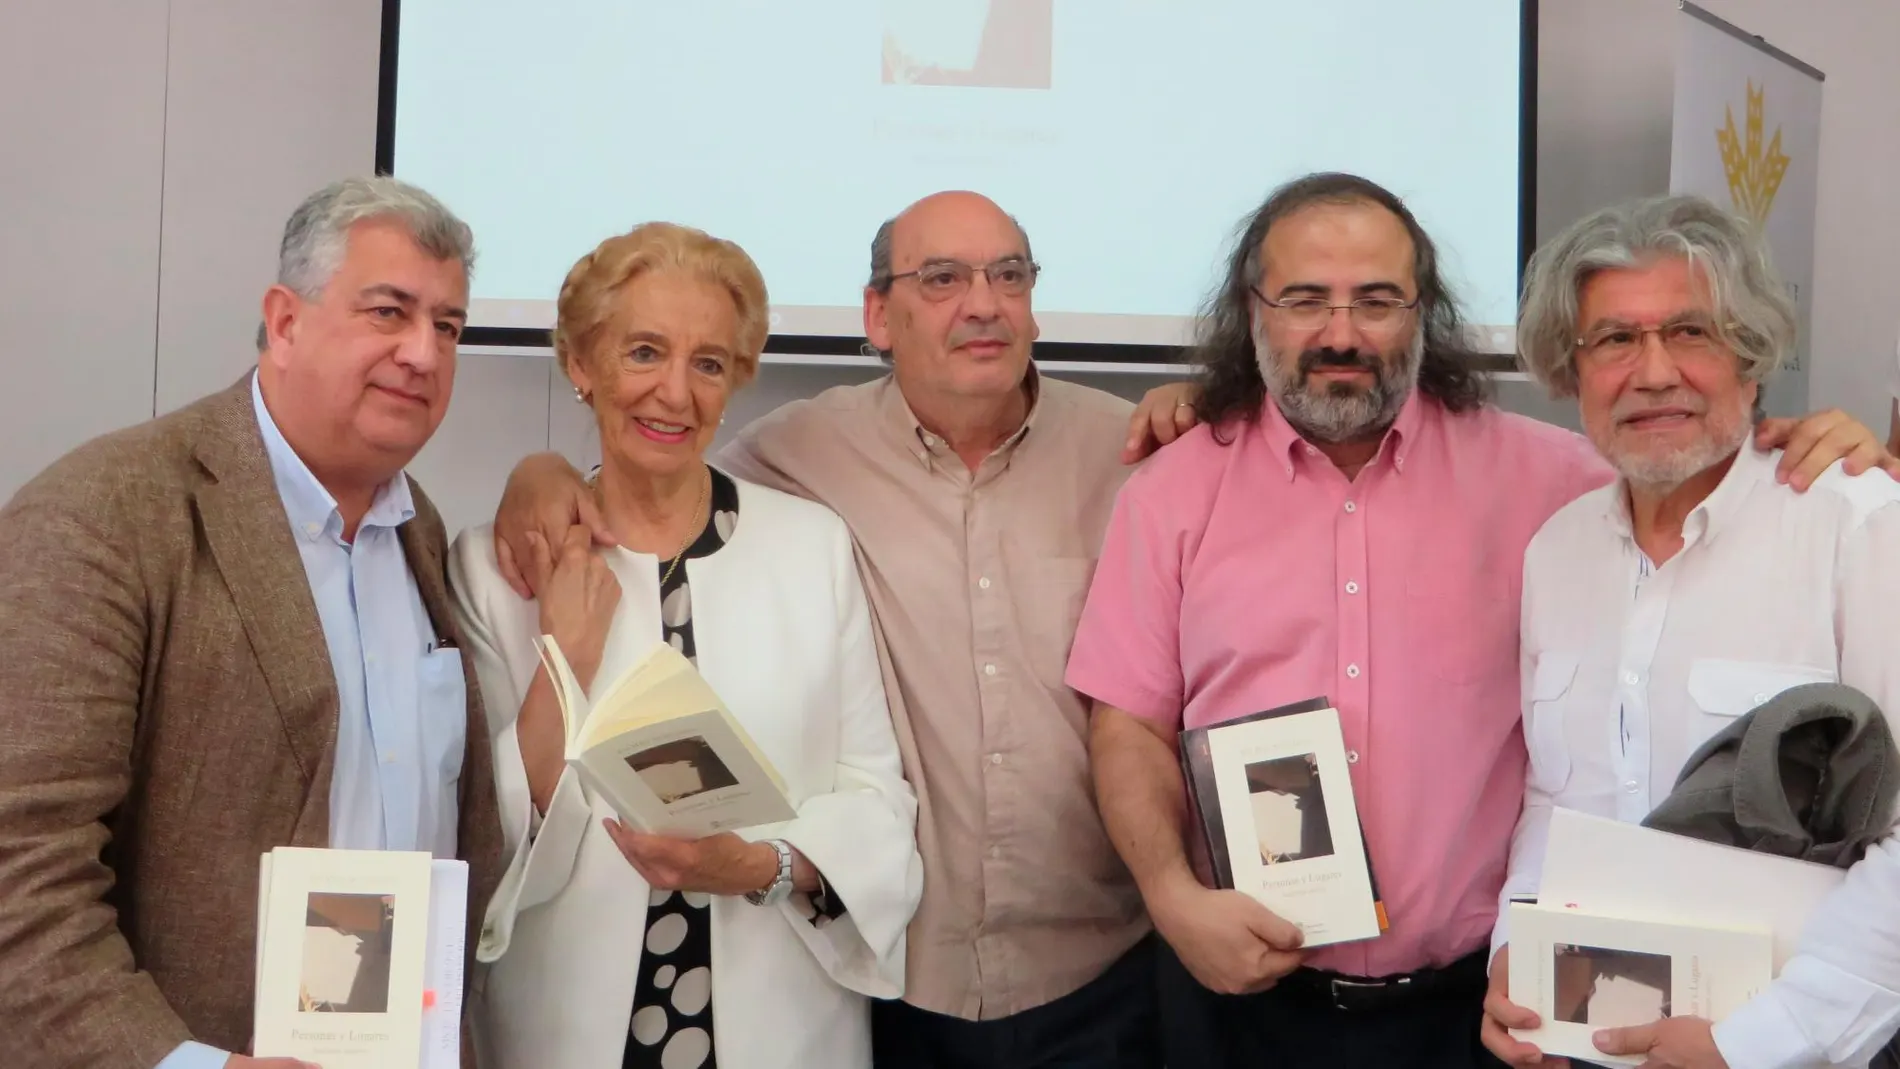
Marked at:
<point>672,1024</point>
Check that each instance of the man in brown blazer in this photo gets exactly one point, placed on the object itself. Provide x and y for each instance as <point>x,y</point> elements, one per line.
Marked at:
<point>227,630</point>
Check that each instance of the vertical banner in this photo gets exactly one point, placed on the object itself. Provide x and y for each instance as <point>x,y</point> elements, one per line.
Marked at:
<point>1747,134</point>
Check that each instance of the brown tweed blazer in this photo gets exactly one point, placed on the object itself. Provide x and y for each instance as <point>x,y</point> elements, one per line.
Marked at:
<point>168,712</point>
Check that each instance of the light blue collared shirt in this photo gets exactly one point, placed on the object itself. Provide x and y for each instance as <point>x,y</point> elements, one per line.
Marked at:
<point>402,701</point>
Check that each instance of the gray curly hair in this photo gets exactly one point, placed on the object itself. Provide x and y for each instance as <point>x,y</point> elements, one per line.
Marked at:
<point>1752,309</point>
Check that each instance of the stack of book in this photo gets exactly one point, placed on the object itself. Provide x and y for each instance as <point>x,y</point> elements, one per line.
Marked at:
<point>1633,925</point>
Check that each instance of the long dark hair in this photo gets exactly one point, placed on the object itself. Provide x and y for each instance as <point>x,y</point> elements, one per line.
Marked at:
<point>1230,386</point>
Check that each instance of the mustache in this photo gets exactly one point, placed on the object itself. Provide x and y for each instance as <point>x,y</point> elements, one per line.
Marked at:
<point>1627,407</point>
<point>995,332</point>
<point>1339,359</point>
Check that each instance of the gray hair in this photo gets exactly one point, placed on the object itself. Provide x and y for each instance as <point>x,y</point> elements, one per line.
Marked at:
<point>317,234</point>
<point>1752,309</point>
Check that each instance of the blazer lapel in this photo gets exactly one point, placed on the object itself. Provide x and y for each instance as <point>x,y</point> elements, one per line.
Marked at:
<point>249,536</point>
<point>421,547</point>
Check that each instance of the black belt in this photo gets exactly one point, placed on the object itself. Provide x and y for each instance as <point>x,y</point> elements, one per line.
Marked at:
<point>1465,977</point>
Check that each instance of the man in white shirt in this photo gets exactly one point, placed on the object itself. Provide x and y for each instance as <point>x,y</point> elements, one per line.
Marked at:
<point>1691,590</point>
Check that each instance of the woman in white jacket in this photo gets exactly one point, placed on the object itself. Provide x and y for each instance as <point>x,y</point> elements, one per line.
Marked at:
<point>605,947</point>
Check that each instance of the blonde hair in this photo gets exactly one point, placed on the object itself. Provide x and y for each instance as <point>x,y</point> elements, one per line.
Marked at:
<point>588,295</point>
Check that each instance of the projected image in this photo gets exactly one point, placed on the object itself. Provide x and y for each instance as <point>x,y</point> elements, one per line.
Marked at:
<point>1607,988</point>
<point>682,769</point>
<point>1289,809</point>
<point>1003,44</point>
<point>346,945</point>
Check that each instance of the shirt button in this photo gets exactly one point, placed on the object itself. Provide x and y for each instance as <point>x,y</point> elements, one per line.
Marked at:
<point>389,757</point>
<point>983,583</point>
<point>1352,671</point>
<point>1759,698</point>
<point>989,669</point>
<point>1352,588</point>
<point>1352,757</point>
<point>996,851</point>
<point>311,528</point>
<point>1632,678</point>
<point>996,759</point>
<point>1630,786</point>
<point>1352,506</point>
<point>1311,452</point>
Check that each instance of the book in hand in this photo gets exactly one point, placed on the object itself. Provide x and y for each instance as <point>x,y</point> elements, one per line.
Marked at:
<point>663,750</point>
<point>343,969</point>
<point>1275,805</point>
<point>1581,972</point>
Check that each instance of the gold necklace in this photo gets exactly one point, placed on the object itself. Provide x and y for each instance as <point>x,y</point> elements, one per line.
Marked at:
<point>693,530</point>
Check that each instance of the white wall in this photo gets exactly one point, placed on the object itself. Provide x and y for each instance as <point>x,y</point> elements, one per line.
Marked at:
<point>153,148</point>
<point>82,120</point>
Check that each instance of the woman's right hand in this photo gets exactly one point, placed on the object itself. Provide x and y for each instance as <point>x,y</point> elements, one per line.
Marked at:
<point>578,595</point>
<point>544,495</point>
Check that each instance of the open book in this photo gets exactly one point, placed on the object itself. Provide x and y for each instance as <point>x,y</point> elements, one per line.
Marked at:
<point>663,750</point>
<point>1275,804</point>
<point>1586,971</point>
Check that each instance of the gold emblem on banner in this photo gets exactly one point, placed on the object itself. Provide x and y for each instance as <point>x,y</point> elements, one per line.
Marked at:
<point>1754,171</point>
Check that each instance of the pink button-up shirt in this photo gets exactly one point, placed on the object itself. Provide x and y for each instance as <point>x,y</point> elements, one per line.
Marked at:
<point>1241,577</point>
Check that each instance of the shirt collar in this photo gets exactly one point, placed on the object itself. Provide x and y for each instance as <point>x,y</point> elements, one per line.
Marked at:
<point>1290,446</point>
<point>1714,512</point>
<point>311,508</point>
<point>926,446</point>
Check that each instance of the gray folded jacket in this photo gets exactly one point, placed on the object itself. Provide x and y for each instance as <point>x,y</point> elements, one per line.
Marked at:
<point>1812,773</point>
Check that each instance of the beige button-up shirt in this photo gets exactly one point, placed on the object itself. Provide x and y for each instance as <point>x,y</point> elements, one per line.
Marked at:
<point>976,580</point>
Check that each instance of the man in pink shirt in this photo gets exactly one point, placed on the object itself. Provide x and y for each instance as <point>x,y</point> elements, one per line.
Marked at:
<point>1349,520</point>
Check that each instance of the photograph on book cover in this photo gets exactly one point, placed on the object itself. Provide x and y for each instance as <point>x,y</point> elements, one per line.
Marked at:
<point>997,44</point>
<point>346,952</point>
<point>681,769</point>
<point>1608,988</point>
<point>1289,809</point>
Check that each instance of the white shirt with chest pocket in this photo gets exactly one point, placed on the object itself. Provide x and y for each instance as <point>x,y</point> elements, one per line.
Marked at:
<point>1628,667</point>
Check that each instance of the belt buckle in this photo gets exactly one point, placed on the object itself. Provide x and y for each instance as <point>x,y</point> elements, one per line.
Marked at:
<point>1343,988</point>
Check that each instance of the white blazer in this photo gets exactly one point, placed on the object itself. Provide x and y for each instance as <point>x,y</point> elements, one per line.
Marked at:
<point>782,632</point>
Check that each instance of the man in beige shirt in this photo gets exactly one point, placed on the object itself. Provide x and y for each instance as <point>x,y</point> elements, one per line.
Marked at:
<point>978,492</point>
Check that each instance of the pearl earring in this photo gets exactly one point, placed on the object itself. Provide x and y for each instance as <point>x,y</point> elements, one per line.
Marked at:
<point>579,396</point>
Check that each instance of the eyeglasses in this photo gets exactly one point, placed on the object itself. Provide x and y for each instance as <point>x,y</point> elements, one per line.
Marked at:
<point>941,280</point>
<point>1620,344</point>
<point>1373,315</point>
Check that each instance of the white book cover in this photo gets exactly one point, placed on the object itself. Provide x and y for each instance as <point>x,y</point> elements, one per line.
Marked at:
<point>1626,870</point>
<point>342,957</point>
<point>1581,972</point>
<point>663,750</point>
<point>1282,823</point>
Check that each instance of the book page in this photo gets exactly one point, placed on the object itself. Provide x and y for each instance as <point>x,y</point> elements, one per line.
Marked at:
<point>1291,825</point>
<point>442,975</point>
<point>344,936</point>
<point>1583,971</point>
<point>691,775</point>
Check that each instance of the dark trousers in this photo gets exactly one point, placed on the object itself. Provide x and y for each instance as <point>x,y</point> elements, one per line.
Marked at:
<point>1108,1023</point>
<point>1295,1027</point>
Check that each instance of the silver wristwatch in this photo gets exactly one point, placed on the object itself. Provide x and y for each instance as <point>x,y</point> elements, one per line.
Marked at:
<point>781,886</point>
